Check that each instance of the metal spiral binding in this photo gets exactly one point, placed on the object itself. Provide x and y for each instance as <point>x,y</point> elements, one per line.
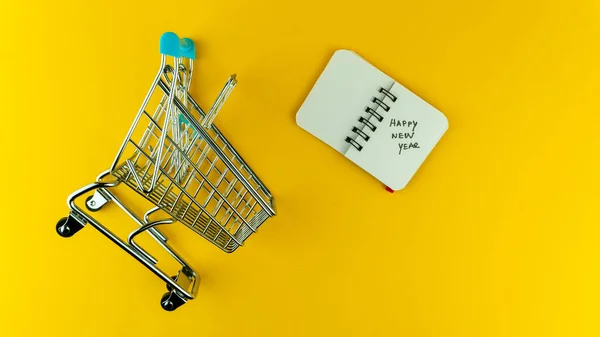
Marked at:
<point>369,124</point>
<point>388,94</point>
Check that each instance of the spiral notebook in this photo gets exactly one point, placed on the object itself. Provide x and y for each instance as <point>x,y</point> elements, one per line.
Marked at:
<point>371,119</point>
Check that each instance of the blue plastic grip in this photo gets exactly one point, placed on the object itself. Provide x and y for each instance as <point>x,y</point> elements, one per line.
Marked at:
<point>183,120</point>
<point>170,44</point>
<point>188,49</point>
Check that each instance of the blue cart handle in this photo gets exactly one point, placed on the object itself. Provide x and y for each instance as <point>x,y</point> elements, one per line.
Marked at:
<point>188,49</point>
<point>172,45</point>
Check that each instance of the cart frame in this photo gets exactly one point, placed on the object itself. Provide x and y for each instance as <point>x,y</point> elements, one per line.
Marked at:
<point>225,212</point>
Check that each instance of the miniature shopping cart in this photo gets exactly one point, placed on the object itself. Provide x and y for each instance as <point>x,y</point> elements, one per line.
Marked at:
<point>176,158</point>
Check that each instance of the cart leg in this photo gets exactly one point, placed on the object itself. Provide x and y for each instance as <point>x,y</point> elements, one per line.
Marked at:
<point>95,202</point>
<point>182,288</point>
<point>170,287</point>
<point>67,227</point>
<point>185,278</point>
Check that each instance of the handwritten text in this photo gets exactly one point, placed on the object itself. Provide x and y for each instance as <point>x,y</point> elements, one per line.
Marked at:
<point>407,126</point>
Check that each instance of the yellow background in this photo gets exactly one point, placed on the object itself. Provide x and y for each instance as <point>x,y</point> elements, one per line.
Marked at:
<point>496,235</point>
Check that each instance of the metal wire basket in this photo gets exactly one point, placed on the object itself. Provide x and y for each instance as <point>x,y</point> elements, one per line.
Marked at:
<point>176,158</point>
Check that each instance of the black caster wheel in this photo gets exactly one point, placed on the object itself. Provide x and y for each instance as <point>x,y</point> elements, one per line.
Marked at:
<point>171,301</point>
<point>67,227</point>
<point>174,278</point>
<point>87,205</point>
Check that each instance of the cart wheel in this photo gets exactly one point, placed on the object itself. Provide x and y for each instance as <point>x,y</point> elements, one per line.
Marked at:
<point>91,209</point>
<point>174,278</point>
<point>68,226</point>
<point>171,301</point>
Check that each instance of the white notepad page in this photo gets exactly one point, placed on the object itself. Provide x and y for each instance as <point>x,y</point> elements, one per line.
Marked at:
<point>401,141</point>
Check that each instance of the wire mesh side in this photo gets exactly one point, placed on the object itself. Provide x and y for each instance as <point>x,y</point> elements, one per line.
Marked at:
<point>221,145</point>
<point>197,188</point>
<point>192,173</point>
